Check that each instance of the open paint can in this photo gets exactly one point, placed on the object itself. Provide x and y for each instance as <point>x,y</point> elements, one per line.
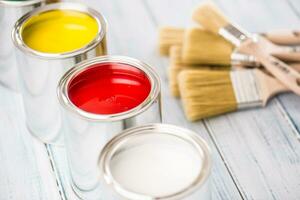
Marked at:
<point>157,162</point>
<point>101,97</point>
<point>10,12</point>
<point>50,40</point>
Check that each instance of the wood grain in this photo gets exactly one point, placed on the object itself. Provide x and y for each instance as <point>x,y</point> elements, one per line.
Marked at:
<point>256,152</point>
<point>260,165</point>
<point>260,146</point>
<point>25,170</point>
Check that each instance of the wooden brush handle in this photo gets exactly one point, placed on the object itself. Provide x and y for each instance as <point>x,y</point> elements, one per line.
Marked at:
<point>287,53</point>
<point>269,86</point>
<point>283,72</point>
<point>296,66</point>
<point>283,37</point>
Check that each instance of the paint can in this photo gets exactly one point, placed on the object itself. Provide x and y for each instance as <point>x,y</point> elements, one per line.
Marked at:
<point>10,12</point>
<point>155,161</point>
<point>101,97</point>
<point>50,40</point>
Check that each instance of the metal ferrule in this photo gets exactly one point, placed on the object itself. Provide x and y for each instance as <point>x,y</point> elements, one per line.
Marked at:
<point>240,59</point>
<point>39,74</point>
<point>234,34</point>
<point>87,133</point>
<point>246,89</point>
<point>10,12</point>
<point>250,104</point>
<point>112,190</point>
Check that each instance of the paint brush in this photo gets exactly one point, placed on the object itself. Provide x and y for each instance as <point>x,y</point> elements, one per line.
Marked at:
<point>169,36</point>
<point>213,20</point>
<point>203,47</point>
<point>283,37</point>
<point>177,65</point>
<point>207,93</point>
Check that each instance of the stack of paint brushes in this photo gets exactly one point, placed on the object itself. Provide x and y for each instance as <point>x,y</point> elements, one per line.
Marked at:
<point>218,68</point>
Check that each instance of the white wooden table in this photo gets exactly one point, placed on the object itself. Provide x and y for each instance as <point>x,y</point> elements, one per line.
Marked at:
<point>256,152</point>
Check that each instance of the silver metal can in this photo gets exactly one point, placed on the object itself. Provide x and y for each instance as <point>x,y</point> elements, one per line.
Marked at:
<point>40,72</point>
<point>155,161</point>
<point>87,132</point>
<point>10,12</point>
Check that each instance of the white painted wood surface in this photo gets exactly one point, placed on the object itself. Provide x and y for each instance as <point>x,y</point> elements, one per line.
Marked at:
<point>25,170</point>
<point>256,152</point>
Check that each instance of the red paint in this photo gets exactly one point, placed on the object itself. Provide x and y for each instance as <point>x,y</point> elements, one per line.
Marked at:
<point>109,88</point>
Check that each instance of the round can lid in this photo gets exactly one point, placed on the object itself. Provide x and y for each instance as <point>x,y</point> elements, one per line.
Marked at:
<point>140,160</point>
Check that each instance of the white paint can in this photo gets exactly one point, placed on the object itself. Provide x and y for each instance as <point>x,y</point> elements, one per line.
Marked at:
<point>155,161</point>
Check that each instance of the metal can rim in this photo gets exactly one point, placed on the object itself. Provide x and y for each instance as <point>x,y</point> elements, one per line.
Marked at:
<point>20,44</point>
<point>183,133</point>
<point>5,3</point>
<point>62,89</point>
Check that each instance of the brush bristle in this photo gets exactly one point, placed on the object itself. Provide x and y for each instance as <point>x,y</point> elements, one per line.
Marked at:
<point>173,83</point>
<point>210,17</point>
<point>169,36</point>
<point>206,93</point>
<point>176,66</point>
<point>203,47</point>
<point>175,55</point>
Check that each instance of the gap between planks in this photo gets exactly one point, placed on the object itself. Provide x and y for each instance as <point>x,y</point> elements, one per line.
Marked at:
<point>210,132</point>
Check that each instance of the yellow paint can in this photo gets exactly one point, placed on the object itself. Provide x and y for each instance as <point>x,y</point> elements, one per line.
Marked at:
<point>49,41</point>
<point>59,31</point>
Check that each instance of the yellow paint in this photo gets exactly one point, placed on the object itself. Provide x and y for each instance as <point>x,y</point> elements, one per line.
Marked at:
<point>59,31</point>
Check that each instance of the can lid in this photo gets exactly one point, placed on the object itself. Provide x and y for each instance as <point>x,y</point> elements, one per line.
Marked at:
<point>10,3</point>
<point>136,146</point>
<point>63,96</point>
<point>20,44</point>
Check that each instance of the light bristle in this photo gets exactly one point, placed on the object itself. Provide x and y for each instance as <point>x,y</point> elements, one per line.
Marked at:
<point>210,17</point>
<point>169,36</point>
<point>206,93</point>
<point>175,55</point>
<point>203,47</point>
<point>176,66</point>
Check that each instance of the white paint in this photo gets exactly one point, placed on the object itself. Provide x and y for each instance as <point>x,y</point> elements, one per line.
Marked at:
<point>156,164</point>
<point>269,169</point>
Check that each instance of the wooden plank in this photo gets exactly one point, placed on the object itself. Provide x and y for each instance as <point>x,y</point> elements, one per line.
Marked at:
<point>25,170</point>
<point>61,168</point>
<point>171,13</point>
<point>258,16</point>
<point>290,105</point>
<point>262,156</point>
<point>259,145</point>
<point>295,7</point>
